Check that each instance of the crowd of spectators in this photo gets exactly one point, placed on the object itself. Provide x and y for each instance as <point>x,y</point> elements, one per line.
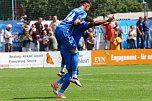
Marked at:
<point>42,38</point>
<point>140,35</point>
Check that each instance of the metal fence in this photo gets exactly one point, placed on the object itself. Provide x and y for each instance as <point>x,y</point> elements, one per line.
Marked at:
<point>11,9</point>
<point>16,9</point>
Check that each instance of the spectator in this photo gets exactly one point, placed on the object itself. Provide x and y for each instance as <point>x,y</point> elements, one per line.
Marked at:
<point>54,23</point>
<point>46,28</point>
<point>39,26</point>
<point>114,23</point>
<point>115,42</point>
<point>44,40</point>
<point>27,39</point>
<point>26,24</point>
<point>140,34</point>
<point>92,31</point>
<point>146,32</point>
<point>90,42</point>
<point>35,35</point>
<point>53,45</point>
<point>120,32</point>
<point>109,34</point>
<point>132,37</point>
<point>23,18</point>
<point>81,44</point>
<point>88,33</point>
<point>8,37</point>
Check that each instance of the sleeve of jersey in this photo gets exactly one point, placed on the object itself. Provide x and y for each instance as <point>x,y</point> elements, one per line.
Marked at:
<point>84,25</point>
<point>82,15</point>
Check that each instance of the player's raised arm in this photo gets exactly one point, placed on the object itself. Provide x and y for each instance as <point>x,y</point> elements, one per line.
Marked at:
<point>96,23</point>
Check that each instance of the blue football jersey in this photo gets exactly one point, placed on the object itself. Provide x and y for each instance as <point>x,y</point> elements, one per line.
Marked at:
<point>68,22</point>
<point>78,31</point>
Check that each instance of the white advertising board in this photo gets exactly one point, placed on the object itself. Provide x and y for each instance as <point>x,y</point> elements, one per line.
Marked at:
<point>4,57</point>
<point>85,58</point>
<point>26,59</point>
<point>52,59</point>
<point>39,59</point>
<point>21,59</point>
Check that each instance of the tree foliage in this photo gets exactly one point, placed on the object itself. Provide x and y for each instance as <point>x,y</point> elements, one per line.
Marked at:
<point>47,8</point>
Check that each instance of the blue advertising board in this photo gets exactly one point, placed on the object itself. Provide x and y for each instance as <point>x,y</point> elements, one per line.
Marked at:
<point>17,27</point>
<point>125,25</point>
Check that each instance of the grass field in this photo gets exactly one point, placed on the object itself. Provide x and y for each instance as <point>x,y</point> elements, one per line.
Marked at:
<point>105,83</point>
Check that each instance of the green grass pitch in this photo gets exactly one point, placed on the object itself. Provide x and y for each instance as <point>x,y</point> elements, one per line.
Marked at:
<point>104,83</point>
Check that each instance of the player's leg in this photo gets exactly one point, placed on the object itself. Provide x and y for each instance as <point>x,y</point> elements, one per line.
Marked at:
<point>56,85</point>
<point>64,86</point>
<point>74,64</point>
<point>62,68</point>
<point>65,54</point>
<point>59,40</point>
<point>70,45</point>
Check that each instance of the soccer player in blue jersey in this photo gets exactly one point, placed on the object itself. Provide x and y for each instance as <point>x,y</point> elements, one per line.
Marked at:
<point>63,32</point>
<point>77,33</point>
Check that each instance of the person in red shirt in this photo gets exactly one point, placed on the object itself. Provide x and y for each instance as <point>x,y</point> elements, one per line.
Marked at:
<point>109,34</point>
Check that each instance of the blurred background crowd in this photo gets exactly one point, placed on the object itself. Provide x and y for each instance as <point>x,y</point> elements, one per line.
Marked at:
<point>39,36</point>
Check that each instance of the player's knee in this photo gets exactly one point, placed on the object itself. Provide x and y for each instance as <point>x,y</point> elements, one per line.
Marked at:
<point>68,77</point>
<point>76,53</point>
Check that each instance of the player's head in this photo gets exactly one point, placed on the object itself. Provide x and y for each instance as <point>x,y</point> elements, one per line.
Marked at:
<point>88,19</point>
<point>86,4</point>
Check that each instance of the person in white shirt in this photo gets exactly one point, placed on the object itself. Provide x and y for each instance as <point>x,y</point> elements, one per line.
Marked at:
<point>55,22</point>
<point>8,37</point>
<point>132,37</point>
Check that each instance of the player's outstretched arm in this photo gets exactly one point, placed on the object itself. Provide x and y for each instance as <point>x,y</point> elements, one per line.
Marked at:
<point>96,23</point>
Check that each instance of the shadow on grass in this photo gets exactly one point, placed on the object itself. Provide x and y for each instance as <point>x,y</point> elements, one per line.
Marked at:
<point>26,98</point>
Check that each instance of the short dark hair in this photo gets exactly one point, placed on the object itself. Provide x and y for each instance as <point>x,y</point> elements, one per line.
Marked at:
<point>85,1</point>
<point>88,19</point>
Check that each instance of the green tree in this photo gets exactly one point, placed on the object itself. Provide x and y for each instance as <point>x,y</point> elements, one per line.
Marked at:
<point>5,9</point>
<point>36,8</point>
<point>149,4</point>
<point>46,8</point>
<point>105,7</point>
